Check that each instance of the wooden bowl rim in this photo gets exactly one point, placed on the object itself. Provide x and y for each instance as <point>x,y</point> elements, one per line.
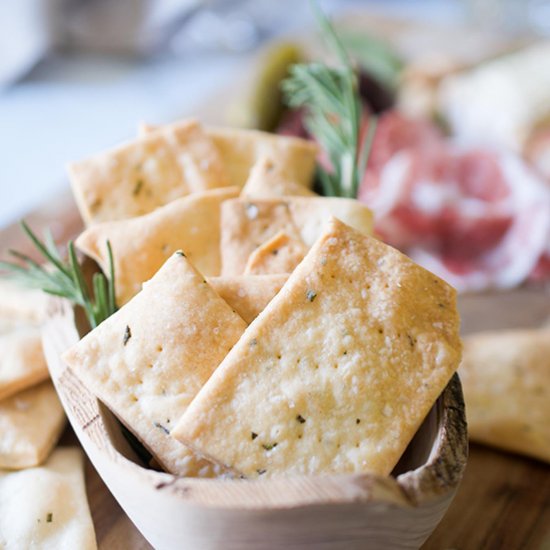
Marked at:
<point>436,478</point>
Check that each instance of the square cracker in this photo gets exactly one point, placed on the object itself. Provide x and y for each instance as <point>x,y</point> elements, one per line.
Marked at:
<point>22,362</point>
<point>141,245</point>
<point>148,360</point>
<point>46,507</point>
<point>268,179</point>
<point>19,304</point>
<point>137,177</point>
<point>506,381</point>
<point>247,224</point>
<point>248,295</point>
<point>241,149</point>
<point>338,372</point>
<point>280,254</point>
<point>293,159</point>
<point>30,423</point>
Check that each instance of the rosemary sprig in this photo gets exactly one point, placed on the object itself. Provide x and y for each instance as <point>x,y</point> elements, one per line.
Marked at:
<point>65,278</point>
<point>333,113</point>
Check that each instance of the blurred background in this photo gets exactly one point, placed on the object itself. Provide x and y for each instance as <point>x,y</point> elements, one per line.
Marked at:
<point>77,75</point>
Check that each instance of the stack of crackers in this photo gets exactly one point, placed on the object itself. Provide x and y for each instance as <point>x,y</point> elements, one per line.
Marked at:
<point>262,330</point>
<point>42,493</point>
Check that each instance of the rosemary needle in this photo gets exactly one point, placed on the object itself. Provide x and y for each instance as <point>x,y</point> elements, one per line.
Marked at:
<point>330,97</point>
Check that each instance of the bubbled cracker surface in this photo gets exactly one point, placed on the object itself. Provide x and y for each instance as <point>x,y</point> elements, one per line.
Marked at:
<point>149,360</point>
<point>141,245</point>
<point>135,178</point>
<point>247,224</point>
<point>338,372</point>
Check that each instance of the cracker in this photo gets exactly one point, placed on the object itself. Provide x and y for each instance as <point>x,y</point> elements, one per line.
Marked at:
<point>248,295</point>
<point>506,380</point>
<point>267,179</point>
<point>292,158</point>
<point>280,254</point>
<point>241,149</point>
<point>137,177</point>
<point>147,361</point>
<point>10,324</point>
<point>46,507</point>
<point>247,224</point>
<point>22,362</point>
<point>141,245</point>
<point>20,304</point>
<point>338,372</point>
<point>30,423</point>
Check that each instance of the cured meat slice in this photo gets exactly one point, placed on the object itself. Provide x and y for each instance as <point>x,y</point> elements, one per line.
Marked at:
<point>478,219</point>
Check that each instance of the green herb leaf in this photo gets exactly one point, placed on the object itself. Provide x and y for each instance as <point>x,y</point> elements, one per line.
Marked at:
<point>330,97</point>
<point>65,278</point>
<point>374,55</point>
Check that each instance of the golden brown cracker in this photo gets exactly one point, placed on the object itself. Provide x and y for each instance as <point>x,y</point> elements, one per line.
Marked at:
<point>506,381</point>
<point>247,224</point>
<point>147,361</point>
<point>280,254</point>
<point>293,159</point>
<point>151,171</point>
<point>338,372</point>
<point>268,179</point>
<point>141,245</point>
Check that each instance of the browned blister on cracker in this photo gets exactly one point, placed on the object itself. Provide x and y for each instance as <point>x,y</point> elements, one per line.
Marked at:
<point>147,361</point>
<point>506,381</point>
<point>151,171</point>
<point>248,224</point>
<point>338,372</point>
<point>280,254</point>
<point>141,245</point>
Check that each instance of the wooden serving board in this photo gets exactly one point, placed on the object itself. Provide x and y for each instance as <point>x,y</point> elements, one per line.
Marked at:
<point>504,499</point>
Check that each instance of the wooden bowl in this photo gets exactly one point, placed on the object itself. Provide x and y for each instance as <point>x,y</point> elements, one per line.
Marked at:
<point>335,512</point>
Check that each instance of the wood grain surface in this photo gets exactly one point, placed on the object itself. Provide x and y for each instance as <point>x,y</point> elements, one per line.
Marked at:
<point>502,503</point>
